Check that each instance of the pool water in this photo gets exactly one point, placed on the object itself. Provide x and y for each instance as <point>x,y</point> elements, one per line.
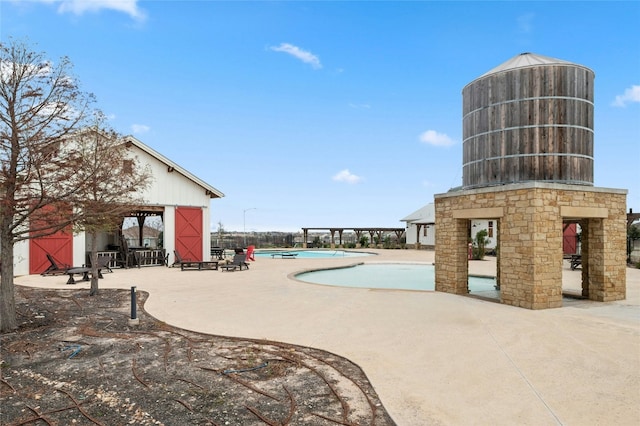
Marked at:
<point>398,276</point>
<point>310,254</point>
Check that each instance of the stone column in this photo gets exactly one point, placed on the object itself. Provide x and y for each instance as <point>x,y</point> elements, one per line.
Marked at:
<point>451,250</point>
<point>606,270</point>
<point>584,253</point>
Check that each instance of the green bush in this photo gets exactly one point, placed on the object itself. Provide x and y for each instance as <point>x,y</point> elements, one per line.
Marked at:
<point>479,245</point>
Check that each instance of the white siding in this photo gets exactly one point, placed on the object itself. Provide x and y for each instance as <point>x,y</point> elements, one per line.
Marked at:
<point>478,225</point>
<point>171,188</point>
<point>170,231</point>
<point>21,258</point>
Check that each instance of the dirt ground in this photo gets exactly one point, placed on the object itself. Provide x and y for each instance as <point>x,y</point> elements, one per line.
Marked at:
<point>77,360</point>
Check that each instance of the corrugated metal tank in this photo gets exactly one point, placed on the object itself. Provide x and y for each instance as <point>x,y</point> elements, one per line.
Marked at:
<point>529,119</point>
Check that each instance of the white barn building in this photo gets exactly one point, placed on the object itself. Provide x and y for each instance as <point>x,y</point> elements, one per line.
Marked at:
<point>181,200</point>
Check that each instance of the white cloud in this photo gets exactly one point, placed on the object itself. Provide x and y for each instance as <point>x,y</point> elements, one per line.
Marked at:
<point>359,106</point>
<point>525,23</point>
<point>431,137</point>
<point>346,176</point>
<point>296,52</point>
<point>632,94</point>
<point>139,128</point>
<point>79,7</point>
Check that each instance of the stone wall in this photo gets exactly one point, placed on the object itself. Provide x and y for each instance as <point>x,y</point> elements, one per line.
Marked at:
<point>530,256</point>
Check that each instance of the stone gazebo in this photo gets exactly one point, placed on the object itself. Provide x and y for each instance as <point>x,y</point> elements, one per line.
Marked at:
<point>528,164</point>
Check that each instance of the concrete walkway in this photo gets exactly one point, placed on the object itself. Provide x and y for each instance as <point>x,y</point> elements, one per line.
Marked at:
<point>434,358</point>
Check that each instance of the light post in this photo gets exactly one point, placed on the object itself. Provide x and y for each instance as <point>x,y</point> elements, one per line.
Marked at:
<point>244,224</point>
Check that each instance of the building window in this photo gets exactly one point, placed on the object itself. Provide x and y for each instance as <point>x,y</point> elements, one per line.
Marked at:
<point>127,166</point>
<point>490,231</point>
<point>424,232</point>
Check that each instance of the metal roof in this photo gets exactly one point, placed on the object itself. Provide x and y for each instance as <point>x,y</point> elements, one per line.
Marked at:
<point>423,216</point>
<point>525,60</point>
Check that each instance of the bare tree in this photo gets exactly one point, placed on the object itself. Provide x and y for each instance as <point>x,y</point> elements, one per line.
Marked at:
<point>114,181</point>
<point>40,104</point>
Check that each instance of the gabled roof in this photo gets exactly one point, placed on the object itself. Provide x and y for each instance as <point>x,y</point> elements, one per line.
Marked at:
<point>213,192</point>
<point>423,216</point>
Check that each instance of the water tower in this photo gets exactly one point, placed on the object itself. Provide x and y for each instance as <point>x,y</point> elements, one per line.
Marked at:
<point>527,163</point>
<point>530,119</point>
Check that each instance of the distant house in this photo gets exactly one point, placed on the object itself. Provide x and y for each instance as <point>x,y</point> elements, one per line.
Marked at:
<point>421,229</point>
<point>151,237</point>
<point>177,198</point>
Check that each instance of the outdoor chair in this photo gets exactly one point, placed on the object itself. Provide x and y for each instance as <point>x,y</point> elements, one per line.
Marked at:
<point>55,268</point>
<point>575,261</point>
<point>250,251</point>
<point>104,262</point>
<point>188,264</point>
<point>217,252</point>
<point>178,260</point>
<point>239,261</point>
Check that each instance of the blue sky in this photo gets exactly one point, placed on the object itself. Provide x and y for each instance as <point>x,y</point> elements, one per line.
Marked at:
<point>328,114</point>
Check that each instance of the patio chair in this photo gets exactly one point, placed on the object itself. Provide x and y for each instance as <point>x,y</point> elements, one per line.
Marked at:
<point>239,261</point>
<point>104,262</point>
<point>217,252</point>
<point>250,251</point>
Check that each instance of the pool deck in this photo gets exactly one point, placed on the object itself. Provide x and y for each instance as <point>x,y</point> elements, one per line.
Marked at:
<point>433,358</point>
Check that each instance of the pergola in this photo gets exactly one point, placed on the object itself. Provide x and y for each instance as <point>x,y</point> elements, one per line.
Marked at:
<point>358,231</point>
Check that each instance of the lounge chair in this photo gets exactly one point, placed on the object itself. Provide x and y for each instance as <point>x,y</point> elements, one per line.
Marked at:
<point>239,261</point>
<point>55,268</point>
<point>188,264</point>
<point>59,268</point>
<point>178,260</point>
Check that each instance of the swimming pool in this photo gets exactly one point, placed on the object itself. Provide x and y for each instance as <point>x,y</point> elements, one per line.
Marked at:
<point>398,276</point>
<point>310,254</point>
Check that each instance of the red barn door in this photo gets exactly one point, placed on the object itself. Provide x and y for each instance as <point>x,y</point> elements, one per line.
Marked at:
<point>570,238</point>
<point>189,232</point>
<point>59,245</point>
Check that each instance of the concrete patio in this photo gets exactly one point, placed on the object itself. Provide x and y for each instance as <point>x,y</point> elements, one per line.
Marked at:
<point>434,358</point>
